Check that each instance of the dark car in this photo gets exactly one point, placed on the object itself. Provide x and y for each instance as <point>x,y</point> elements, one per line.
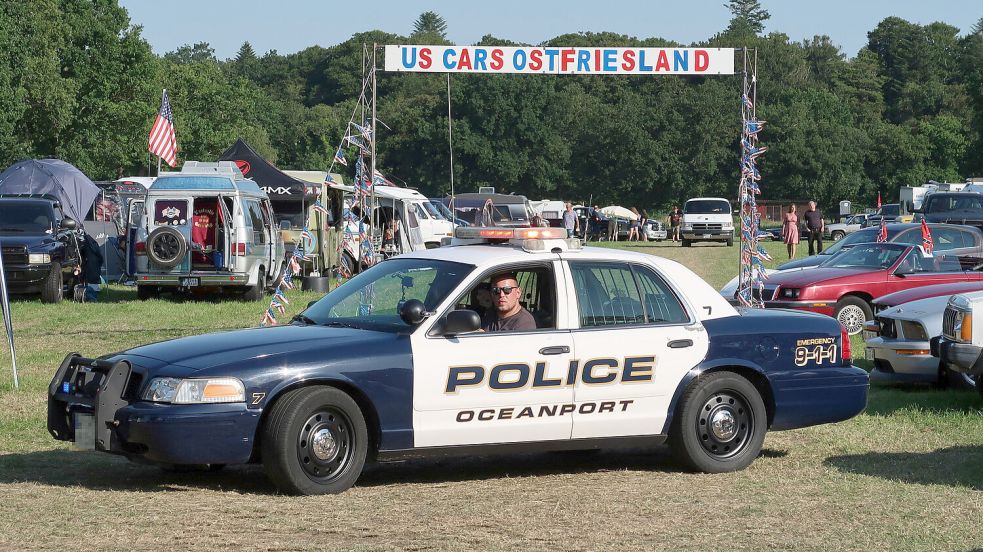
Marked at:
<point>40,248</point>
<point>944,238</point>
<point>954,208</point>
<point>887,213</point>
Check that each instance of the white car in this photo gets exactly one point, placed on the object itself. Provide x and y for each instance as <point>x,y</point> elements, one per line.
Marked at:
<point>615,348</point>
<point>898,341</point>
<point>961,343</point>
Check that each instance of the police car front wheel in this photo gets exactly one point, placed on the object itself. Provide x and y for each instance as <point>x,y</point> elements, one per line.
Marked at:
<point>720,425</point>
<point>314,441</point>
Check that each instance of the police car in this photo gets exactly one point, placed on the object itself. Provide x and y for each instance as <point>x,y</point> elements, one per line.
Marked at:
<point>628,349</point>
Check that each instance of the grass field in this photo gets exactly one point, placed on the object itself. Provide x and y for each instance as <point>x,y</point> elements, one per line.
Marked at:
<point>906,474</point>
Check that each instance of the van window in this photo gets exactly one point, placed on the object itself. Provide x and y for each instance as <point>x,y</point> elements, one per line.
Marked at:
<point>706,207</point>
<point>254,220</point>
<point>170,212</point>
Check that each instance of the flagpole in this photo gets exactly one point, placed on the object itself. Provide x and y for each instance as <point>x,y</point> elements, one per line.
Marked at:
<point>374,138</point>
<point>450,145</point>
<point>7,319</point>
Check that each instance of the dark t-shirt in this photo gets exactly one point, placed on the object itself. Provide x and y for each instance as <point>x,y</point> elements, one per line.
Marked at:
<point>814,219</point>
<point>522,320</point>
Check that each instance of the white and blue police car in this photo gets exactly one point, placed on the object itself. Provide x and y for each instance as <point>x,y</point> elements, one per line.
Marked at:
<point>624,349</point>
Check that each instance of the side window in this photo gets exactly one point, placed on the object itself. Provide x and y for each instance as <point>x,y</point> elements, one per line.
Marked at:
<point>538,296</point>
<point>909,237</point>
<point>661,304</point>
<point>606,294</point>
<point>944,239</point>
<point>254,219</point>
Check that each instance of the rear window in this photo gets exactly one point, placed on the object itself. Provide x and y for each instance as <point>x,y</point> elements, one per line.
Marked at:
<point>945,203</point>
<point>706,207</point>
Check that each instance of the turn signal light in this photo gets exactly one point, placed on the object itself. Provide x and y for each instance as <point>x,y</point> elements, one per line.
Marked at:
<point>140,248</point>
<point>239,248</point>
<point>966,332</point>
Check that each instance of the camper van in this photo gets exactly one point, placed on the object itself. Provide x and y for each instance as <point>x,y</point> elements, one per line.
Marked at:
<point>206,227</point>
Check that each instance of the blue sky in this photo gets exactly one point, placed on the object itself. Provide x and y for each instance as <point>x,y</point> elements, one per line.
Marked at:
<point>291,25</point>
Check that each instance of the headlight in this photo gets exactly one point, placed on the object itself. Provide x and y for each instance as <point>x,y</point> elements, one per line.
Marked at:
<point>728,226</point>
<point>913,330</point>
<point>195,391</point>
<point>790,293</point>
<point>39,258</point>
<point>687,226</point>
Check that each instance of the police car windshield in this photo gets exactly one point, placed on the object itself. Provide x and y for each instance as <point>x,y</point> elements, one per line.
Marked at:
<point>25,216</point>
<point>371,300</point>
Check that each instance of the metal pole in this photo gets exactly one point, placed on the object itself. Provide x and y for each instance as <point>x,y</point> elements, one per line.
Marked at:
<point>7,318</point>
<point>450,145</point>
<point>375,214</point>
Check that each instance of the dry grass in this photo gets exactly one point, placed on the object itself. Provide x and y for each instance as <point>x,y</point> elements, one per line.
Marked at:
<point>908,474</point>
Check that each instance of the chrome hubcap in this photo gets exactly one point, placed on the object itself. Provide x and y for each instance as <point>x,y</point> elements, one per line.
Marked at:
<point>723,425</point>
<point>323,445</point>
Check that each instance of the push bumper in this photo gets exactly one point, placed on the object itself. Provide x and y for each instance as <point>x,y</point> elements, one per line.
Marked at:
<point>809,397</point>
<point>961,357</point>
<point>94,404</point>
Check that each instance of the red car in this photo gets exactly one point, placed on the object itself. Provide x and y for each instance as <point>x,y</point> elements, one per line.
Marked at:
<point>844,286</point>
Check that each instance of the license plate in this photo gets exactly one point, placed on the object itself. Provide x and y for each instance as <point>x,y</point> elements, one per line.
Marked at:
<point>85,431</point>
<point>190,282</point>
<point>704,235</point>
<point>868,354</point>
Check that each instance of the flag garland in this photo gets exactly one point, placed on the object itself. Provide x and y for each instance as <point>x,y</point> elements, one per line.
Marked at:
<point>751,272</point>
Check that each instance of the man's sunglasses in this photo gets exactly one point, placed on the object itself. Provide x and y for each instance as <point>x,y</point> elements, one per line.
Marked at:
<point>505,289</point>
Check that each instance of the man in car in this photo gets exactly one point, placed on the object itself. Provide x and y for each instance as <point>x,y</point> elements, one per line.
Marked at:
<point>507,315</point>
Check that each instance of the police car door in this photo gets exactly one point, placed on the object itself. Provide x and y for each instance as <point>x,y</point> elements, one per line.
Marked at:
<point>636,339</point>
<point>501,387</point>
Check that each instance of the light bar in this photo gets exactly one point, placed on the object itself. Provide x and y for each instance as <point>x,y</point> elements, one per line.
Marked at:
<point>477,232</point>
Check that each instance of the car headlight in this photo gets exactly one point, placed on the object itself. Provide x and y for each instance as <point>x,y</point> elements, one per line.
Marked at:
<point>687,226</point>
<point>790,293</point>
<point>913,330</point>
<point>728,226</point>
<point>39,258</point>
<point>195,391</point>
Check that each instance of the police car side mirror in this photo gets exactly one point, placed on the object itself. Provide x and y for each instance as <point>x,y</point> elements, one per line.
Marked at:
<point>413,312</point>
<point>68,223</point>
<point>460,321</point>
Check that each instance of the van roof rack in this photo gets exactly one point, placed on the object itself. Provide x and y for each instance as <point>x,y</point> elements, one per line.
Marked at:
<point>224,168</point>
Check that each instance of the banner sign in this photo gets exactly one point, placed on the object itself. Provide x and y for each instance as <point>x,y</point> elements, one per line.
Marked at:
<point>560,61</point>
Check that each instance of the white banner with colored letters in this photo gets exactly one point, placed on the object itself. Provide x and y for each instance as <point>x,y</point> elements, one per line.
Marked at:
<point>560,61</point>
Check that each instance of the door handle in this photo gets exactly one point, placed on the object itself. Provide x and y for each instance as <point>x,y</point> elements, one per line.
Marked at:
<point>558,350</point>
<point>680,343</point>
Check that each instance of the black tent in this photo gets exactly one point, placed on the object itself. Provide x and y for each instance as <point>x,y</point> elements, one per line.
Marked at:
<point>276,184</point>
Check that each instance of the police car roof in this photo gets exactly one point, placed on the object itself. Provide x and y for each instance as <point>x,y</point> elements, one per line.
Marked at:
<point>705,300</point>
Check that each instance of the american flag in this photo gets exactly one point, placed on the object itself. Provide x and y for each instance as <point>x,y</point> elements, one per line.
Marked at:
<point>269,319</point>
<point>319,207</point>
<point>926,239</point>
<point>163,141</point>
<point>339,156</point>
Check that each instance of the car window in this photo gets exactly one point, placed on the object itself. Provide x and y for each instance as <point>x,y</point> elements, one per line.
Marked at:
<point>254,220</point>
<point>661,304</point>
<point>538,295</point>
<point>868,256</point>
<point>170,212</point>
<point>606,294</point>
<point>944,238</point>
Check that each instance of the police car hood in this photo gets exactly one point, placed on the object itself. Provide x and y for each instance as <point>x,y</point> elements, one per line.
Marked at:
<point>238,346</point>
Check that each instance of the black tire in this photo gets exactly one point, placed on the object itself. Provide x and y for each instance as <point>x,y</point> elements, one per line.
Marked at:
<point>53,289</point>
<point>979,384</point>
<point>147,292</point>
<point>853,312</point>
<point>255,293</point>
<point>686,243</point>
<point>952,379</point>
<point>838,235</point>
<point>736,406</point>
<point>294,461</point>
<point>730,242</point>
<point>166,247</point>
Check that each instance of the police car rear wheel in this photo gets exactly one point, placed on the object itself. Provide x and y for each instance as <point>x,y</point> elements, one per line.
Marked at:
<point>721,424</point>
<point>314,442</point>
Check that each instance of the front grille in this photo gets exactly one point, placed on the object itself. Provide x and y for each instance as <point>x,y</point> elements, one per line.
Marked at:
<point>888,328</point>
<point>704,226</point>
<point>14,255</point>
<point>949,322</point>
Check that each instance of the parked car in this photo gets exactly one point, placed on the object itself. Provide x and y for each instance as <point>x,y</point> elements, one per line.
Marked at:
<point>447,214</point>
<point>618,347</point>
<point>888,212</point>
<point>206,227</point>
<point>707,219</point>
<point>845,286</point>
<point>953,207</point>
<point>899,335</point>
<point>944,238</point>
<point>655,230</point>
<point>839,230</point>
<point>40,247</point>
<point>961,344</point>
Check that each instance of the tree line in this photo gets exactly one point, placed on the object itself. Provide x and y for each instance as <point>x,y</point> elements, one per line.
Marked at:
<point>79,82</point>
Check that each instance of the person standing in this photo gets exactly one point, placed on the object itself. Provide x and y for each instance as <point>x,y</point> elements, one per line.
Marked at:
<point>570,221</point>
<point>675,219</point>
<point>636,226</point>
<point>816,226</point>
<point>790,230</point>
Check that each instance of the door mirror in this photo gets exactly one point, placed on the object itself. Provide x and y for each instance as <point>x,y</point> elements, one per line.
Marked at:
<point>413,312</point>
<point>284,225</point>
<point>68,223</point>
<point>461,321</point>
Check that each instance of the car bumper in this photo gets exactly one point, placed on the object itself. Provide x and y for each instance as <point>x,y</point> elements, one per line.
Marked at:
<point>198,279</point>
<point>708,234</point>
<point>961,357</point>
<point>824,395</point>
<point>24,278</point>
<point>901,361</point>
<point>657,235</point>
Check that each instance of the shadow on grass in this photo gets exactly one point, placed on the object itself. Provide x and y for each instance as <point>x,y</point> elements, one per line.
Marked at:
<point>953,466</point>
<point>100,471</point>
<point>886,401</point>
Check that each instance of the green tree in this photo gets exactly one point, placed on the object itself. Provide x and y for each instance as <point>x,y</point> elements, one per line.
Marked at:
<point>430,23</point>
<point>748,18</point>
<point>199,52</point>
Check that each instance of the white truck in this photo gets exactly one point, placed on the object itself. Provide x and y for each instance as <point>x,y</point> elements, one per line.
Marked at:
<point>961,344</point>
<point>707,219</point>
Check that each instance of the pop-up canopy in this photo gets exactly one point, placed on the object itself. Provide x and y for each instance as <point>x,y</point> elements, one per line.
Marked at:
<point>53,177</point>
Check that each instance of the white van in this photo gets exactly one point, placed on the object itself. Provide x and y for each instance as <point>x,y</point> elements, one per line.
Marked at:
<point>205,227</point>
<point>707,219</point>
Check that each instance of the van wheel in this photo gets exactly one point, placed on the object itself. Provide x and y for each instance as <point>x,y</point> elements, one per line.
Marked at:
<point>255,293</point>
<point>54,285</point>
<point>730,242</point>
<point>720,425</point>
<point>315,441</point>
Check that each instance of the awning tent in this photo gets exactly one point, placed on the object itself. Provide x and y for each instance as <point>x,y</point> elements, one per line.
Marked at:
<point>278,185</point>
<point>51,177</point>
